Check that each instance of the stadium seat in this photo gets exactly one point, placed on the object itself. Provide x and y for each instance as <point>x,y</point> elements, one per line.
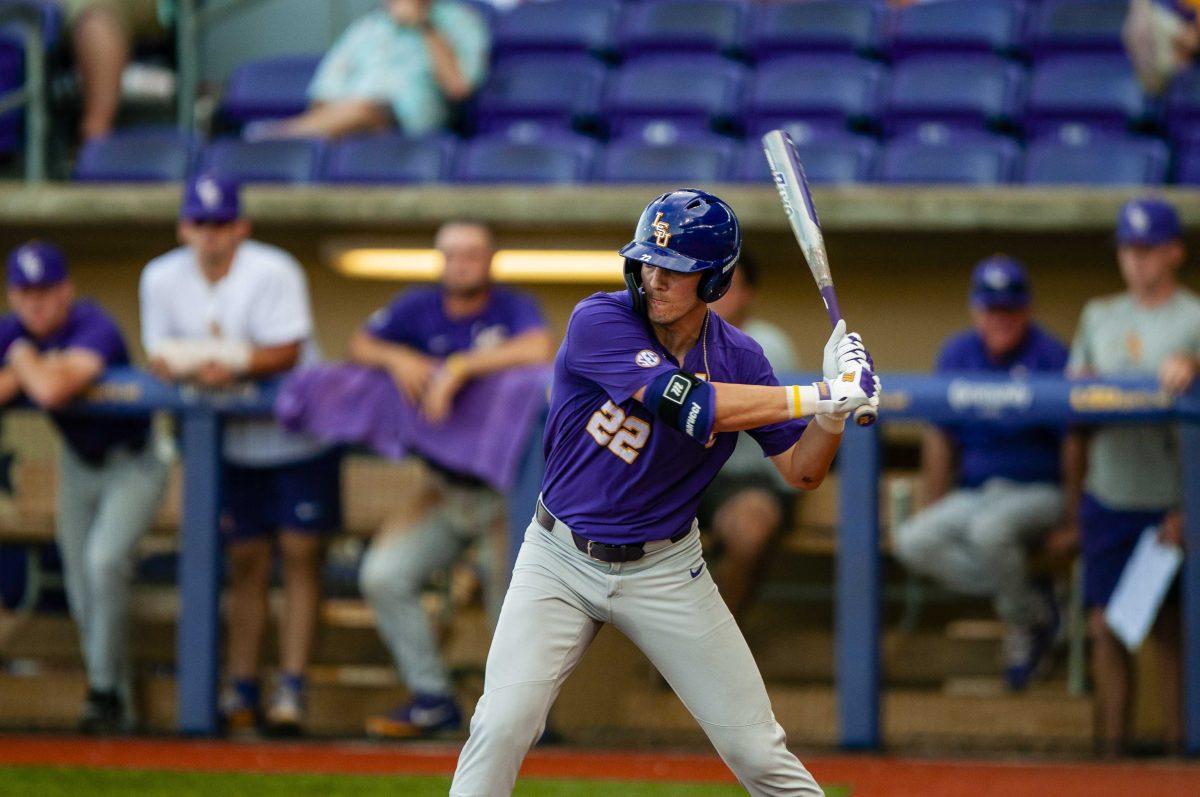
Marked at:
<point>139,155</point>
<point>970,91</point>
<point>1102,160</point>
<point>979,26</point>
<point>389,159</point>
<point>1098,90</point>
<point>499,159</point>
<point>842,158</point>
<point>695,161</point>
<point>974,162</point>
<point>846,26</point>
<point>695,26</point>
<point>557,26</point>
<point>1183,105</point>
<point>1076,26</point>
<point>12,64</point>
<point>555,90</point>
<point>287,161</point>
<point>833,90</point>
<point>272,88</point>
<point>698,90</point>
<point>1187,165</point>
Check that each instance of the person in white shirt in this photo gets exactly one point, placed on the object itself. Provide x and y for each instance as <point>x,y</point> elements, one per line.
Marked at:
<point>219,309</point>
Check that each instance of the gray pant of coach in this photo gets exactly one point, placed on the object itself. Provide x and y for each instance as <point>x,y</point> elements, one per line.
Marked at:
<point>103,511</point>
<point>556,603</point>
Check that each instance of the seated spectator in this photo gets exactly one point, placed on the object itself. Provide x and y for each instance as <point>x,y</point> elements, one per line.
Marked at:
<point>102,35</point>
<point>111,474</point>
<point>401,66</point>
<point>219,309</point>
<point>1126,478</point>
<point>433,341</point>
<point>749,502</point>
<point>973,538</point>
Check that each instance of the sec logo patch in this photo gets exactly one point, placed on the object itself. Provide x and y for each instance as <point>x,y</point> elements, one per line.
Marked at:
<point>647,358</point>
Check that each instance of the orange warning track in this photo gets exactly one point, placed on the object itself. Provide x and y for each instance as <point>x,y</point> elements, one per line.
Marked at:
<point>867,775</point>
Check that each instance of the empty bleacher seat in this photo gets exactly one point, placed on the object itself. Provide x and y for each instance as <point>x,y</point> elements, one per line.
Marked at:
<point>500,159</point>
<point>137,155</point>
<point>552,89</point>
<point>698,90</point>
<point>698,160</point>
<point>389,159</point>
<point>1097,90</point>
<point>972,91</point>
<point>557,26</point>
<point>286,161</point>
<point>1076,26</point>
<point>839,90</point>
<point>847,26</point>
<point>1097,160</point>
<point>271,88</point>
<point>699,26</point>
<point>1183,105</point>
<point>839,158</point>
<point>980,26</point>
<point>978,161</point>
<point>1187,164</point>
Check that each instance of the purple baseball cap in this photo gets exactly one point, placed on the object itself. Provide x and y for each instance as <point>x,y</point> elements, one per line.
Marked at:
<point>36,264</point>
<point>210,198</point>
<point>1147,221</point>
<point>1000,283</point>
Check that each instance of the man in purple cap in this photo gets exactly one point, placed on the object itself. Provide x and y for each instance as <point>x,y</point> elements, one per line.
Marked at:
<point>1125,479</point>
<point>219,309</point>
<point>111,474</point>
<point>993,491</point>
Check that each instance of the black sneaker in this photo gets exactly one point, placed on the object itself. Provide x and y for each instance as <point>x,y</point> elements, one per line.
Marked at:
<point>102,714</point>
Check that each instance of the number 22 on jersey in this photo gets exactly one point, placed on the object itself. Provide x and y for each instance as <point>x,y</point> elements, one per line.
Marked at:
<point>623,435</point>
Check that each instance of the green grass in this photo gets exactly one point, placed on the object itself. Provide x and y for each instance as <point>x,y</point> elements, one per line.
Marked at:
<point>52,782</point>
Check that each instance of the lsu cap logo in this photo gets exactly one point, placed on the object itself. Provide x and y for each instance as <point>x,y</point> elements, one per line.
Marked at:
<point>1139,220</point>
<point>209,193</point>
<point>647,359</point>
<point>31,265</point>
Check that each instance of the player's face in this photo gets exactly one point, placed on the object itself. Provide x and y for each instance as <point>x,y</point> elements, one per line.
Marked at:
<point>467,252</point>
<point>1001,330</point>
<point>1148,268</point>
<point>42,310</point>
<point>734,306</point>
<point>406,12</point>
<point>214,244</point>
<point>670,295</point>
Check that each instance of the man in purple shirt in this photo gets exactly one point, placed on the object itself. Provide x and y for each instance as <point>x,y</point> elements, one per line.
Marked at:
<point>111,475</point>
<point>650,389</point>
<point>433,341</point>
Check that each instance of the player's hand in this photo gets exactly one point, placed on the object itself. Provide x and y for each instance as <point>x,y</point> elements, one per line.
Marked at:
<point>215,375</point>
<point>1061,544</point>
<point>158,366</point>
<point>1170,531</point>
<point>854,388</point>
<point>412,373</point>
<point>1177,374</point>
<point>844,351</point>
<point>439,398</point>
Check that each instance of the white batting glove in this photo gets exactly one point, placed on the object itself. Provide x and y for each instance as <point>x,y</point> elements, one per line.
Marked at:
<point>844,351</point>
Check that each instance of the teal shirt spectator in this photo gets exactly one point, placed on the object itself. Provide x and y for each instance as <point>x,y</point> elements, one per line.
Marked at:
<point>377,59</point>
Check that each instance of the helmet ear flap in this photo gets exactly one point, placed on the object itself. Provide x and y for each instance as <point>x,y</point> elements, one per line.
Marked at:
<point>633,283</point>
<point>714,284</point>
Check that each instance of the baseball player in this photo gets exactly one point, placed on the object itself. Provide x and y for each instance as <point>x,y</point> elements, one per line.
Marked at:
<point>111,475</point>
<point>649,391</point>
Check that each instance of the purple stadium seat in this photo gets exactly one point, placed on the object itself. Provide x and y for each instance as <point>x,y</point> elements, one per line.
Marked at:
<point>388,159</point>
<point>1076,26</point>
<point>1183,106</point>
<point>802,131</point>
<point>557,26</point>
<point>1101,160</point>
<point>842,158</point>
<point>693,161</point>
<point>975,162</point>
<point>832,90</point>
<point>272,88</point>
<point>289,161</point>
<point>1187,165</point>
<point>144,155</point>
<point>846,26</point>
<point>1098,90</point>
<point>558,90</point>
<point>964,90</point>
<point>697,90</point>
<point>697,26</point>
<point>499,159</point>
<point>978,26</point>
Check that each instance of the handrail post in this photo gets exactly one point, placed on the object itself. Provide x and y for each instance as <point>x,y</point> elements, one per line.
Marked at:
<point>1190,455</point>
<point>187,53</point>
<point>35,100</point>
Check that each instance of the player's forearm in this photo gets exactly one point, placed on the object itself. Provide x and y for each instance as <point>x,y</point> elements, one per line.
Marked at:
<point>530,348</point>
<point>365,349</point>
<point>807,463</point>
<point>446,72</point>
<point>10,388</point>
<point>742,407</point>
<point>270,360</point>
<point>49,382</point>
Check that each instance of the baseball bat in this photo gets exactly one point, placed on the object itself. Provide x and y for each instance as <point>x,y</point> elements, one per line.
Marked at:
<point>792,184</point>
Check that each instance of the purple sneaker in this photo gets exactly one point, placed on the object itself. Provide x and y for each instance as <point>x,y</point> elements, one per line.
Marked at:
<point>425,715</point>
<point>1027,648</point>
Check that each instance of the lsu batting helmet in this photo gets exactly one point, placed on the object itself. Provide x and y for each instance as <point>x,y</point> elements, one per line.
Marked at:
<point>689,231</point>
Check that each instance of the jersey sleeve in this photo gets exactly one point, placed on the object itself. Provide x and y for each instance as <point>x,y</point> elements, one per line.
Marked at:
<point>610,346</point>
<point>156,322</point>
<point>100,336</point>
<point>774,438</point>
<point>282,315</point>
<point>394,322</point>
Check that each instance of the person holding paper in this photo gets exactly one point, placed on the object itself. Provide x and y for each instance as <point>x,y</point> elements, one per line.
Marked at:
<point>1124,479</point>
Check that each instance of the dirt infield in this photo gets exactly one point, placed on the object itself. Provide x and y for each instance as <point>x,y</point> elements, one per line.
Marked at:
<point>865,775</point>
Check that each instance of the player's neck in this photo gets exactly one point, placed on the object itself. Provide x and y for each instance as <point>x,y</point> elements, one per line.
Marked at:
<point>215,271</point>
<point>681,335</point>
<point>1155,295</point>
<point>463,304</point>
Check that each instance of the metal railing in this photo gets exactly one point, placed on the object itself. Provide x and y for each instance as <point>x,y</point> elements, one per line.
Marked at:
<point>27,17</point>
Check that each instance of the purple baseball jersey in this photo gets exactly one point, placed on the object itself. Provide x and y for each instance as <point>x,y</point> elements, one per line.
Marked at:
<point>417,318</point>
<point>87,327</point>
<point>613,473</point>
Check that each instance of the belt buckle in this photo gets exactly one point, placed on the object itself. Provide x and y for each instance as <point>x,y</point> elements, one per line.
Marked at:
<point>589,551</point>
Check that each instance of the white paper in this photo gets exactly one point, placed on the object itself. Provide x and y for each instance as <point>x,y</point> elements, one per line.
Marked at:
<point>1140,590</point>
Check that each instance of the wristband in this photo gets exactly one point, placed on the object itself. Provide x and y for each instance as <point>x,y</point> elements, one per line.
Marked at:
<point>456,366</point>
<point>802,399</point>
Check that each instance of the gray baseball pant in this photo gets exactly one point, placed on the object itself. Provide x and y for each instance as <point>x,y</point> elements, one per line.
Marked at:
<point>102,513</point>
<point>667,604</point>
<point>974,542</point>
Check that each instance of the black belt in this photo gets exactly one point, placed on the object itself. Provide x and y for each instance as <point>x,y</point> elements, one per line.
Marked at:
<point>602,551</point>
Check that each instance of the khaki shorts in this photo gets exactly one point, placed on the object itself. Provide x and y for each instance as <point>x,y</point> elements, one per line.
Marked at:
<point>140,17</point>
